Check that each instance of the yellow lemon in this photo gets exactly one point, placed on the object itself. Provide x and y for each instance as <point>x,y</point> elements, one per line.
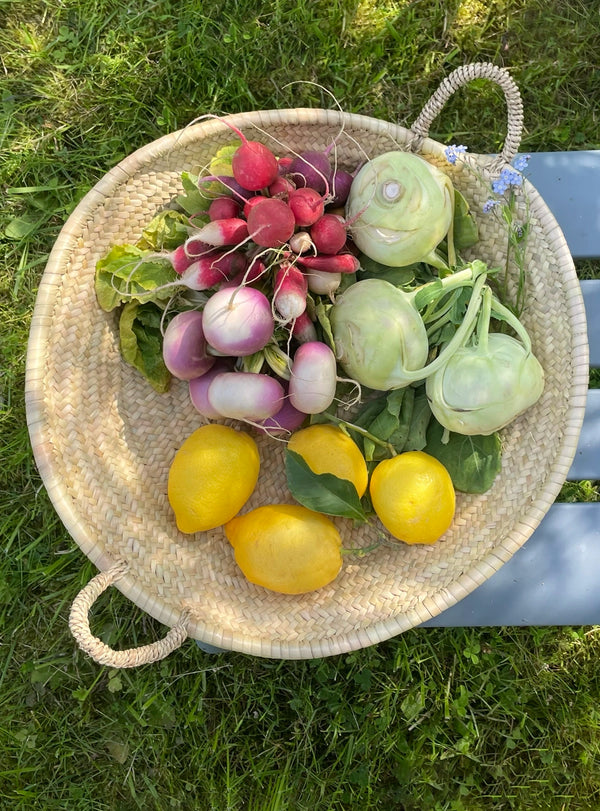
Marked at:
<point>212,476</point>
<point>413,496</point>
<point>327,449</point>
<point>286,548</point>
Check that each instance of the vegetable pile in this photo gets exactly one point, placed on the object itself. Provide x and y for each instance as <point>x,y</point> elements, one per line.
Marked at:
<point>287,290</point>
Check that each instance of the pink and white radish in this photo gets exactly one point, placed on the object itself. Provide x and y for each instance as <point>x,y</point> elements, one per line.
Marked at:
<point>313,379</point>
<point>289,291</point>
<point>214,269</point>
<point>323,282</point>
<point>247,396</point>
<point>220,233</point>
<point>185,350</point>
<point>285,421</point>
<point>198,387</point>
<point>301,242</point>
<point>303,329</point>
<point>239,321</point>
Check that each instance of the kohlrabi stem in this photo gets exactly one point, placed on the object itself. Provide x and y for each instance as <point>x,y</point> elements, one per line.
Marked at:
<point>511,319</point>
<point>362,431</point>
<point>483,324</point>
<point>460,337</point>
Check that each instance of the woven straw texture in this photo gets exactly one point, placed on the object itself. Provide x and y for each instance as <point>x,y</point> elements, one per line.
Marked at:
<point>103,439</point>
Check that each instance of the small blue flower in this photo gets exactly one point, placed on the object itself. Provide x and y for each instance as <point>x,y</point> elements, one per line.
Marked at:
<point>499,186</point>
<point>489,205</point>
<point>453,151</point>
<point>508,177</point>
<point>520,162</point>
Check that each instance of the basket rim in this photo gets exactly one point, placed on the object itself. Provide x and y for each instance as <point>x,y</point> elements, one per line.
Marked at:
<point>43,448</point>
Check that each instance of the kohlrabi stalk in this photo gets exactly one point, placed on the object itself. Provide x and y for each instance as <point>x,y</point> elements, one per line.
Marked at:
<point>380,337</point>
<point>488,382</point>
<point>400,208</point>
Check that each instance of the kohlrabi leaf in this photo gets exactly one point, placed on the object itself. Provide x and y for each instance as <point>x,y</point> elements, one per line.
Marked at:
<point>125,274</point>
<point>466,233</point>
<point>370,269</point>
<point>141,342</point>
<point>166,231</point>
<point>419,422</point>
<point>322,492</point>
<point>473,462</point>
<point>322,311</point>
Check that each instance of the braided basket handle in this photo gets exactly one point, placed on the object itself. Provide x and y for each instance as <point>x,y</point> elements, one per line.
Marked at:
<point>460,77</point>
<point>79,626</point>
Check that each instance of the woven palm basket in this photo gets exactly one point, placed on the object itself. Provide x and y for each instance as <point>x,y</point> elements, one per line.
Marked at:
<point>103,439</point>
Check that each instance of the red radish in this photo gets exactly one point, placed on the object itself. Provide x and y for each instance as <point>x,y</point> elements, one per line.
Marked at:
<point>329,234</point>
<point>281,187</point>
<point>184,346</point>
<point>323,282</point>
<point>253,201</point>
<point>253,273</point>
<point>286,420</point>
<point>209,271</point>
<point>338,263</point>
<point>271,223</point>
<point>311,169</point>
<point>238,322</point>
<point>224,232</point>
<point>199,389</point>
<point>289,291</point>
<point>223,208</point>
<point>313,380</point>
<point>245,395</point>
<point>254,165</point>
<point>307,206</point>
<point>283,165</point>
<point>303,329</point>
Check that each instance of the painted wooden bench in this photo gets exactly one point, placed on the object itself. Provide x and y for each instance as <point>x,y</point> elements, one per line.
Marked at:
<point>554,578</point>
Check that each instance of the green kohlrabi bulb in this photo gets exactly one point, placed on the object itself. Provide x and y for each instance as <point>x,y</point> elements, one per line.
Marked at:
<point>485,386</point>
<point>400,208</point>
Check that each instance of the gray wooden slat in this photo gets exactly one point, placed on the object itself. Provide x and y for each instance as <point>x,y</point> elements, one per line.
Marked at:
<point>552,580</point>
<point>586,463</point>
<point>591,296</point>
<point>569,182</point>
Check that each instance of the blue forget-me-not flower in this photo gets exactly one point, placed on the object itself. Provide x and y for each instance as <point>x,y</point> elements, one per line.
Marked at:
<point>453,151</point>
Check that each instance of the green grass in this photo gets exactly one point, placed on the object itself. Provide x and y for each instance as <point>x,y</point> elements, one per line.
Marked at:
<point>457,719</point>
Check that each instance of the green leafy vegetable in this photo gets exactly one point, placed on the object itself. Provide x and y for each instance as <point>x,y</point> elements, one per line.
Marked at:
<point>165,231</point>
<point>194,201</point>
<point>466,233</point>
<point>322,492</point>
<point>141,342</point>
<point>123,276</point>
<point>473,462</point>
<point>221,161</point>
<point>370,269</point>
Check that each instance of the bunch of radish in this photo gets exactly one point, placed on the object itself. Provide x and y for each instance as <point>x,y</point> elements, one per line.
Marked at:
<point>275,235</point>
